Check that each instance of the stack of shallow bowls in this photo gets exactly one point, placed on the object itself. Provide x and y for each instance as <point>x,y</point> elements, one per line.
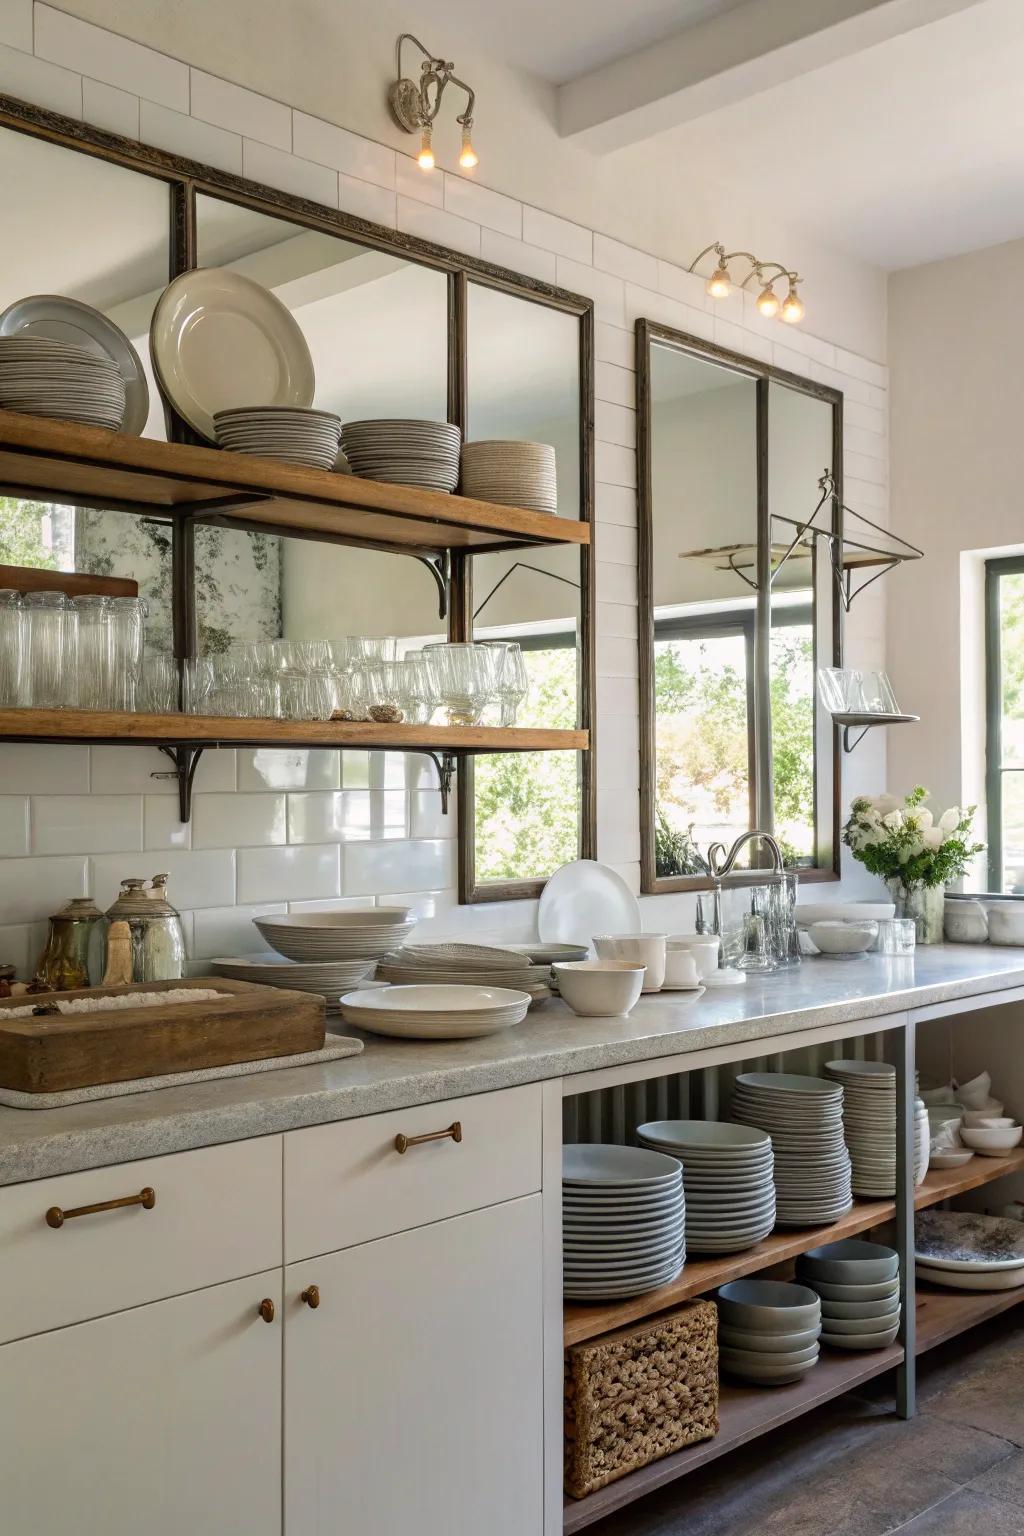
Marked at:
<point>969,1252</point>
<point>424,453</point>
<point>435,1012</point>
<point>485,965</point>
<point>859,1286</point>
<point>328,980</point>
<point>280,432</point>
<point>768,1330</point>
<point>511,473</point>
<point>727,1179</point>
<point>318,937</point>
<point>804,1118</point>
<point>622,1221</point>
<point>869,1125</point>
<point>53,378</point>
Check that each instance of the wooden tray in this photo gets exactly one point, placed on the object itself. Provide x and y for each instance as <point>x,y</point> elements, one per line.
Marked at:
<point>50,1054</point>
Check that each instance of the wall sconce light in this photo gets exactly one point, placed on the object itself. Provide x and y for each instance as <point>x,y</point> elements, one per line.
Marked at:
<point>414,107</point>
<point>765,273</point>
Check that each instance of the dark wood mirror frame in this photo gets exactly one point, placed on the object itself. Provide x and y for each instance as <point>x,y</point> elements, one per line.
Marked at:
<point>186,179</point>
<point>763,375</point>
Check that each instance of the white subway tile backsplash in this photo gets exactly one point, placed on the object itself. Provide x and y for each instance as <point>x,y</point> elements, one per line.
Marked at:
<point>328,144</point>
<point>558,235</point>
<point>416,218</point>
<point>618,826</point>
<point>618,755</point>
<point>615,384</point>
<point>241,111</point>
<point>436,914</point>
<point>280,768</point>
<point>103,55</point>
<point>647,304</point>
<point>861,368</point>
<point>162,826</point>
<point>615,465</point>
<point>107,107</point>
<point>182,135</point>
<point>86,823</point>
<point>129,771</point>
<point>238,821</point>
<point>347,814</point>
<point>288,874</point>
<point>28,769</point>
<point>615,503</point>
<point>491,209</point>
<point>860,467</point>
<point>615,424</point>
<point>868,417</point>
<point>516,256</point>
<point>676,283</point>
<point>288,173</point>
<point>616,658</point>
<point>365,200</point>
<point>732,336</point>
<point>21,944</point>
<point>616,696</point>
<point>16,24</point>
<point>43,84</point>
<point>423,186</point>
<point>13,825</point>
<point>426,818</point>
<point>859,440</point>
<point>373,869</point>
<point>616,544</point>
<point>625,261</point>
<point>608,292</point>
<point>334,904</point>
<point>33,889</point>
<point>220,932</point>
<point>197,879</point>
<point>615,344</point>
<point>618,620</point>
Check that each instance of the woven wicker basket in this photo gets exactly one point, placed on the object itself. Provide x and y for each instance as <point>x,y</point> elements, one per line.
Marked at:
<point>638,1394</point>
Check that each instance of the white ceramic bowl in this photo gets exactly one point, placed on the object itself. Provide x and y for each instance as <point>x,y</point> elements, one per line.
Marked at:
<point>979,1116</point>
<point>808,912</point>
<point>646,949</point>
<point>839,938</point>
<point>703,946</point>
<point>991,1142</point>
<point>600,988</point>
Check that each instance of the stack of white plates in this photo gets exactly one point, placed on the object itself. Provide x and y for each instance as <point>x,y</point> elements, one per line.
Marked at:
<point>280,432</point>
<point>969,1252</point>
<point>482,964</point>
<point>859,1286</point>
<point>361,934</point>
<point>435,1012</point>
<point>768,1330</point>
<point>329,980</point>
<point>422,453</point>
<point>54,378</point>
<point>512,473</point>
<point>622,1221</point>
<point>869,1125</point>
<point>804,1118</point>
<point>727,1178</point>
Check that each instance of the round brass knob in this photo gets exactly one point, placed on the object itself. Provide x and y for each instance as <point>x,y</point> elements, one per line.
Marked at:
<point>267,1310</point>
<point>311,1296</point>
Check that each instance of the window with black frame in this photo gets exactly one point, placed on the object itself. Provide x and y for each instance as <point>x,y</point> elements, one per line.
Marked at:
<point>1004,743</point>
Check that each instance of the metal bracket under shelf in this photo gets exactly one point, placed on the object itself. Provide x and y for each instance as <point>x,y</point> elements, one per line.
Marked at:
<point>445,765</point>
<point>851,722</point>
<point>186,761</point>
<point>440,567</point>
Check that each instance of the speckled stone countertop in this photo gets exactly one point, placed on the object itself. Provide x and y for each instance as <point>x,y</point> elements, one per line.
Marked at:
<point>552,1042</point>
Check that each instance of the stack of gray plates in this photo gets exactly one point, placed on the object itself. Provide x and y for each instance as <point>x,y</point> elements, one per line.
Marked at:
<point>511,473</point>
<point>328,980</point>
<point>859,1286</point>
<point>483,964</point>
<point>727,1179</point>
<point>804,1118</point>
<point>768,1330</point>
<point>622,1221</point>
<point>424,453</point>
<point>53,378</point>
<point>280,432</point>
<point>869,1125</point>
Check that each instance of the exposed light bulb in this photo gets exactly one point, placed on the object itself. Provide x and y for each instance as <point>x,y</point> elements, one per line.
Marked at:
<point>793,307</point>
<point>425,158</point>
<point>718,284</point>
<point>768,302</point>
<point>468,156</point>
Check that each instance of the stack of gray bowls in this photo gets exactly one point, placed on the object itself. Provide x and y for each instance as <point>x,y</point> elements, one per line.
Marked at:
<point>767,1331</point>
<point>859,1286</point>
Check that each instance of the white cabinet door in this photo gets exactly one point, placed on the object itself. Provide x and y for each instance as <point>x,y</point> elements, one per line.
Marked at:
<point>413,1392</point>
<point>164,1420</point>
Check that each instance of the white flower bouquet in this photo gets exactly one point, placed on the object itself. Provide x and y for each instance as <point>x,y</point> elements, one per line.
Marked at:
<point>901,840</point>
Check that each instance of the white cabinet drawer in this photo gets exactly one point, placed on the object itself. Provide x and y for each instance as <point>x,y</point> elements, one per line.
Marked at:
<point>347,1183</point>
<point>216,1216</point>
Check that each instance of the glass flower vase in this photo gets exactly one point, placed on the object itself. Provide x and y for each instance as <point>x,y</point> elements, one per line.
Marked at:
<point>924,903</point>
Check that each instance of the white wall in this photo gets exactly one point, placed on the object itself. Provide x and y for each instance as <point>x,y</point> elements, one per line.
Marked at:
<point>275,829</point>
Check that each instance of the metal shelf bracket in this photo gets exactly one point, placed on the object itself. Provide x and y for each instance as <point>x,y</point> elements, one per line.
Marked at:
<point>186,761</point>
<point>445,765</point>
<point>440,567</point>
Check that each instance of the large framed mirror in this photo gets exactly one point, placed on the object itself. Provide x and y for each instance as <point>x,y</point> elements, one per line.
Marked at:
<point>737,609</point>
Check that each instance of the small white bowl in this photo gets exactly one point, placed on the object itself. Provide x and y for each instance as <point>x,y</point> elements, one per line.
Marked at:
<point>602,989</point>
<point>834,938</point>
<point>976,1117</point>
<point>808,912</point>
<point>992,1143</point>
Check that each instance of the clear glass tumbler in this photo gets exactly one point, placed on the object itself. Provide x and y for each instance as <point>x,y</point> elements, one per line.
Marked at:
<point>12,648</point>
<point>513,684</point>
<point>127,622</point>
<point>95,652</point>
<point>51,647</point>
<point>464,677</point>
<point>160,684</point>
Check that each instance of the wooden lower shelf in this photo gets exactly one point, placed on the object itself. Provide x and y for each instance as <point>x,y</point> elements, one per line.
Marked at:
<point>942,1314</point>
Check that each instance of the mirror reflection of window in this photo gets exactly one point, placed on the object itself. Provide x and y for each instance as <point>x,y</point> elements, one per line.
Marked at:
<point>704,553</point>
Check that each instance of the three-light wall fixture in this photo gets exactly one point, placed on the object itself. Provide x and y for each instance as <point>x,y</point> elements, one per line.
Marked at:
<point>414,107</point>
<point>764,273</point>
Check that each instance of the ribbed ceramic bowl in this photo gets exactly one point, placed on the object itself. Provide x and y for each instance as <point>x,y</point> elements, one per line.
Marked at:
<point>849,1262</point>
<point>768,1306</point>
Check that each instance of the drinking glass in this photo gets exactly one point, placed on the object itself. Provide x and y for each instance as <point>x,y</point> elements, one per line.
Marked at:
<point>371,648</point>
<point>127,624</point>
<point>386,686</point>
<point>464,677</point>
<point>896,936</point>
<point>12,648</point>
<point>785,940</point>
<point>95,652</point>
<point>322,694</point>
<point>197,679</point>
<point>513,681</point>
<point>51,645</point>
<point>418,698</point>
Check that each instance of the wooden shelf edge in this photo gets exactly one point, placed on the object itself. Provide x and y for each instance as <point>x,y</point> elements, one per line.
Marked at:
<point>943,1315</point>
<point>73,725</point>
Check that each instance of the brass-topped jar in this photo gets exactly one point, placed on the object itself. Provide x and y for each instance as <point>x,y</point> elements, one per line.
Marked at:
<point>158,942</point>
<point>73,956</point>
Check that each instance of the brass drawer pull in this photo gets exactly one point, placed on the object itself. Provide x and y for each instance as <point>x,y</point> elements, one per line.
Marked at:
<point>403,1143</point>
<point>267,1310</point>
<point>55,1217</point>
<point>311,1296</point>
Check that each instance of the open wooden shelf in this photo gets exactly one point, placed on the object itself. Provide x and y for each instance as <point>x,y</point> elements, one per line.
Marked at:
<point>744,1413</point>
<point>942,1315</point>
<point>87,466</point>
<point>82,725</point>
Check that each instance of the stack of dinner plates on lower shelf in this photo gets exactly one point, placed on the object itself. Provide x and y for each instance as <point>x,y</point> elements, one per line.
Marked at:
<point>486,965</point>
<point>859,1286</point>
<point>282,432</point>
<point>869,1125</point>
<point>768,1331</point>
<point>364,933</point>
<point>54,378</point>
<point>727,1181</point>
<point>804,1118</point>
<point>512,473</point>
<point>623,1216</point>
<point>329,979</point>
<point>966,1251</point>
<point>435,1012</point>
<point>424,453</point>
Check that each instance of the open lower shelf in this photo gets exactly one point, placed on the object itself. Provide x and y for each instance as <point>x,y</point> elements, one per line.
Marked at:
<point>942,1315</point>
<point>82,725</point>
<point>61,461</point>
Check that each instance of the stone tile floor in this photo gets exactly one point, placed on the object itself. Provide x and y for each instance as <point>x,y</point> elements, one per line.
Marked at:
<point>853,1469</point>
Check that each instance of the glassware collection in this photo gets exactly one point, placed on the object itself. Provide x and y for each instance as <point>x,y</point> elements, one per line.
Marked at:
<point>59,652</point>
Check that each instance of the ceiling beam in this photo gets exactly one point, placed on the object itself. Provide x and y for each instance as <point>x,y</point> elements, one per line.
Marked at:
<point>724,59</point>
